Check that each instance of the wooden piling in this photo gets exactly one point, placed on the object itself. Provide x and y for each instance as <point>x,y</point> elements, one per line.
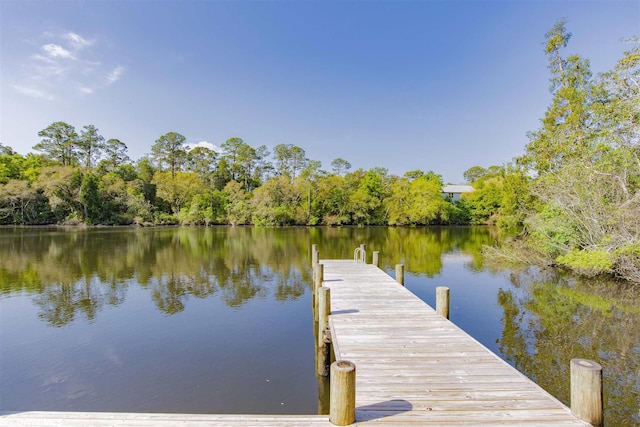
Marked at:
<point>319,275</point>
<point>376,258</point>
<point>586,391</point>
<point>342,410</point>
<point>324,350</point>
<point>323,395</point>
<point>442,301</point>
<point>315,255</point>
<point>317,284</point>
<point>400,273</point>
<point>363,248</point>
<point>314,273</point>
<point>314,289</point>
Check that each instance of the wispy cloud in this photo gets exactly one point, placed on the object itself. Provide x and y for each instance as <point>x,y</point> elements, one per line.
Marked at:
<point>77,41</point>
<point>33,92</point>
<point>66,63</point>
<point>57,51</point>
<point>115,75</point>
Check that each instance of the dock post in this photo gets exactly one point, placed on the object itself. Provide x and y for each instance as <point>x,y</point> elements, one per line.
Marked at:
<point>319,275</point>
<point>586,391</point>
<point>314,275</point>
<point>363,248</point>
<point>317,284</point>
<point>376,258</point>
<point>314,255</point>
<point>442,301</point>
<point>324,350</point>
<point>400,273</point>
<point>342,407</point>
<point>323,395</point>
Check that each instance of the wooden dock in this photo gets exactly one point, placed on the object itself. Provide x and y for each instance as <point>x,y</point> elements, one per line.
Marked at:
<point>413,368</point>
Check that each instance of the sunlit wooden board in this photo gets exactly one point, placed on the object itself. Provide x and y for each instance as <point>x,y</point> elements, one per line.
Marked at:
<point>414,367</point>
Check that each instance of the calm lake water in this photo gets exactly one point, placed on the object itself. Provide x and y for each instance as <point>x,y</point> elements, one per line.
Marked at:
<point>219,320</point>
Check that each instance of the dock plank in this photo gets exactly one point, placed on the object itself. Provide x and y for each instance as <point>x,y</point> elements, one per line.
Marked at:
<point>414,367</point>
<point>122,419</point>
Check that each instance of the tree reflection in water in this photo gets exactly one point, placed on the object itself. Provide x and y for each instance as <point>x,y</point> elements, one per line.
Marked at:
<point>78,272</point>
<point>548,317</point>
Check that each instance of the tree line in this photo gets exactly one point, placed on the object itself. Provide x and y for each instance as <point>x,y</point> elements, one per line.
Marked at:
<point>83,178</point>
<point>574,195</point>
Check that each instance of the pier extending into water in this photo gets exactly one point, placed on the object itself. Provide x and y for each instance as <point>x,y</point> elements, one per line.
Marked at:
<point>398,362</point>
<point>415,367</point>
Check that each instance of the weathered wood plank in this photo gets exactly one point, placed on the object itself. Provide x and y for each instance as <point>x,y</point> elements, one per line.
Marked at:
<point>117,419</point>
<point>415,367</point>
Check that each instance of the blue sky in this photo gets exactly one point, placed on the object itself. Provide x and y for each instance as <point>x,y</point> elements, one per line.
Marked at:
<point>431,85</point>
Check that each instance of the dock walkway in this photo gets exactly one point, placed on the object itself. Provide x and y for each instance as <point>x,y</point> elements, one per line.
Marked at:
<point>413,368</point>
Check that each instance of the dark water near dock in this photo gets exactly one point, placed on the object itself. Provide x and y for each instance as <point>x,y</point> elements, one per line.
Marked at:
<point>219,320</point>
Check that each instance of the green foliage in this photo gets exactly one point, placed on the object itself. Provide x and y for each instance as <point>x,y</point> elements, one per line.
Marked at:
<point>169,151</point>
<point>587,262</point>
<point>579,200</point>
<point>455,213</point>
<point>551,232</point>
<point>502,196</point>
<point>90,145</point>
<point>627,261</point>
<point>331,200</point>
<point>163,218</point>
<point>474,173</point>
<point>415,200</point>
<point>61,185</point>
<point>21,204</point>
<point>566,132</point>
<point>59,143</point>
<point>340,166</point>
<point>115,152</point>
<point>239,208</point>
<point>205,209</point>
<point>366,202</point>
<point>290,159</point>
<point>485,202</point>
<point>517,201</point>
<point>242,163</point>
<point>90,199</point>
<point>278,202</point>
<point>177,189</point>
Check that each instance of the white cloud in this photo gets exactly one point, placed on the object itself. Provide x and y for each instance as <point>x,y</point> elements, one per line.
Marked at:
<point>43,58</point>
<point>77,41</point>
<point>115,75</point>
<point>57,51</point>
<point>33,92</point>
<point>205,144</point>
<point>63,64</point>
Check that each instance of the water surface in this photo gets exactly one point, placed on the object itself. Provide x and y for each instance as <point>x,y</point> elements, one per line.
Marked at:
<point>218,320</point>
